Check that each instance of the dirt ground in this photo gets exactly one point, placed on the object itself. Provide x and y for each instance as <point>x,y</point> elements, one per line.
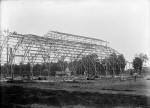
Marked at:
<point>76,94</point>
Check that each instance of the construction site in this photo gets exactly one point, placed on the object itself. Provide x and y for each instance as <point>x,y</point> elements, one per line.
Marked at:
<point>74,54</point>
<point>74,50</point>
<point>60,70</point>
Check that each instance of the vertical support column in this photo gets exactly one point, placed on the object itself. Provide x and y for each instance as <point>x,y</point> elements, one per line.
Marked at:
<point>106,67</point>
<point>49,66</point>
<point>85,70</point>
<point>21,68</point>
<point>100,66</point>
<point>114,67</point>
<point>7,54</point>
<point>106,60</point>
<point>31,70</point>
<point>31,67</point>
<point>11,60</point>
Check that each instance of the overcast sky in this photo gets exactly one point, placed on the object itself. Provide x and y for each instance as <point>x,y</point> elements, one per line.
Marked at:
<point>125,24</point>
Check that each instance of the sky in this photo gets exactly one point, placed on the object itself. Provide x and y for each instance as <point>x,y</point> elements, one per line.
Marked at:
<point>125,24</point>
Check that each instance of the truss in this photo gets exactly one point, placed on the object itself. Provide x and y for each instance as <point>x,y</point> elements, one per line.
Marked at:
<point>52,47</point>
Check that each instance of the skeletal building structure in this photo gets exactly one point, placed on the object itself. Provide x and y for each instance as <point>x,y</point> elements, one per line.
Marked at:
<point>51,47</point>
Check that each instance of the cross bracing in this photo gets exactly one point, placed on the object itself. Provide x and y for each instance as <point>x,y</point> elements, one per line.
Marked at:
<point>52,47</point>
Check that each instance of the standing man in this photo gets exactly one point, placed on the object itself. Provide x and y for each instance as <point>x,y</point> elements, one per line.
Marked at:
<point>135,76</point>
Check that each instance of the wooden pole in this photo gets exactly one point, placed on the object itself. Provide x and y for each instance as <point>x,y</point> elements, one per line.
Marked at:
<point>11,60</point>
<point>7,55</point>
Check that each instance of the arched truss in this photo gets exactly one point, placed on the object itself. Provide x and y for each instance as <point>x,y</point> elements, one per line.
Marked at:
<point>51,47</point>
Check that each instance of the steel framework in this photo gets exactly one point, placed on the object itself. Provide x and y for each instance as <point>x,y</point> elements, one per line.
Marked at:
<point>51,47</point>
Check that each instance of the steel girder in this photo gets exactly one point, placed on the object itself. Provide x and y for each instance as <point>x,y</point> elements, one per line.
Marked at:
<point>52,47</point>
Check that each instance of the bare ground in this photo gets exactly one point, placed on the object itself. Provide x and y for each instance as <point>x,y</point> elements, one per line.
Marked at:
<point>77,94</point>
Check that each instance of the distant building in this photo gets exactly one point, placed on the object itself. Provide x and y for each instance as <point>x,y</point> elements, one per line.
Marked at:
<point>67,72</point>
<point>60,73</point>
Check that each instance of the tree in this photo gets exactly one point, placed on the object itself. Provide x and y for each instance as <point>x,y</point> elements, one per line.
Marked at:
<point>87,64</point>
<point>112,60</point>
<point>36,69</point>
<point>143,57</point>
<point>138,61</point>
<point>54,67</point>
<point>16,69</point>
<point>114,64</point>
<point>121,61</point>
<point>90,62</point>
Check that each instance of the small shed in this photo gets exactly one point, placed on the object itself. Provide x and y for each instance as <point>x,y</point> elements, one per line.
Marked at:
<point>60,73</point>
<point>67,72</point>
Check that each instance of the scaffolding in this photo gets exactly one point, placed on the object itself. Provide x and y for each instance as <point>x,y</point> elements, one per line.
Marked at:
<point>52,47</point>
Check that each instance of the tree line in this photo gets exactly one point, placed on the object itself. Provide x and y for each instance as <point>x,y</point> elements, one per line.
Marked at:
<point>138,62</point>
<point>90,65</point>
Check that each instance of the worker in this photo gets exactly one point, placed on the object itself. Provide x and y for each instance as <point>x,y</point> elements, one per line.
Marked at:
<point>135,76</point>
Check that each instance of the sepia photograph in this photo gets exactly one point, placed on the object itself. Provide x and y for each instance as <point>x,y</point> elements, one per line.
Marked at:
<point>75,53</point>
